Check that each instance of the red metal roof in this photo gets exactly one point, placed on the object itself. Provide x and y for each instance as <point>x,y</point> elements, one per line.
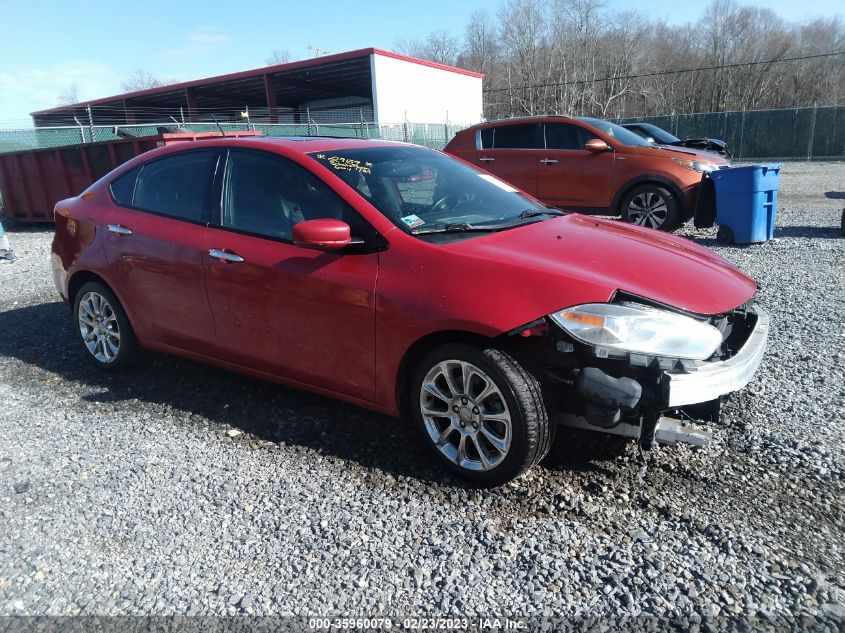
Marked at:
<point>258,72</point>
<point>424,62</point>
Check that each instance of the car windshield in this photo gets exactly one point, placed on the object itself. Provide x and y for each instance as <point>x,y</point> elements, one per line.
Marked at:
<point>423,191</point>
<point>617,132</point>
<point>658,134</point>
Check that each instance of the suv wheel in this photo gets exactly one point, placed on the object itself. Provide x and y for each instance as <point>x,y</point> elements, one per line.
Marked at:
<point>652,206</point>
<point>103,327</point>
<point>481,413</point>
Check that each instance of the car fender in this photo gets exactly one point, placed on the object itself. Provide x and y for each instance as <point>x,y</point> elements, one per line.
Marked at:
<point>468,302</point>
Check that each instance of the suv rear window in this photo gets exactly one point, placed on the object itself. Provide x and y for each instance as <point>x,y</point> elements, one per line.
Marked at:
<point>519,136</point>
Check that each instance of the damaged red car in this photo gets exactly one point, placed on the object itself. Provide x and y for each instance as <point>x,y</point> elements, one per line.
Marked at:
<point>406,281</point>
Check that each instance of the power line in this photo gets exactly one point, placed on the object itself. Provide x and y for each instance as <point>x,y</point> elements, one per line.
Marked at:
<point>667,72</point>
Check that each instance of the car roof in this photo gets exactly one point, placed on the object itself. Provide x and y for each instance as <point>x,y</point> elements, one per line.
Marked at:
<point>534,118</point>
<point>300,144</point>
<point>278,145</point>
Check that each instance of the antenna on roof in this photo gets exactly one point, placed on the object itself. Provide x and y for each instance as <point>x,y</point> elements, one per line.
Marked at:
<point>219,127</point>
<point>318,52</point>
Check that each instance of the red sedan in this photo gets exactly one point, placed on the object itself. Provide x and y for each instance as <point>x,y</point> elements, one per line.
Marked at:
<point>406,281</point>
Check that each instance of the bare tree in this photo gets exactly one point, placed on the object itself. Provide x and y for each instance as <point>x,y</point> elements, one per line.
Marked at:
<point>581,57</point>
<point>523,40</point>
<point>409,46</point>
<point>442,47</point>
<point>439,46</point>
<point>480,43</point>
<point>69,95</point>
<point>278,56</point>
<point>140,79</point>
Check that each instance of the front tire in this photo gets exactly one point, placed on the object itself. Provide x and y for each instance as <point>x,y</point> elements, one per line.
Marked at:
<point>104,328</point>
<point>481,413</point>
<point>652,206</point>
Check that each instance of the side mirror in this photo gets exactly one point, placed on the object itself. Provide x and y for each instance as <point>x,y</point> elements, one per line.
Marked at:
<point>596,145</point>
<point>650,140</point>
<point>322,235</point>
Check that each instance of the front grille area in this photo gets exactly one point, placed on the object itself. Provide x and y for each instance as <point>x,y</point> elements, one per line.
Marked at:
<point>735,327</point>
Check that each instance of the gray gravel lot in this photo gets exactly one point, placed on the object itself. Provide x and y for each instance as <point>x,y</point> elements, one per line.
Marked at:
<point>181,489</point>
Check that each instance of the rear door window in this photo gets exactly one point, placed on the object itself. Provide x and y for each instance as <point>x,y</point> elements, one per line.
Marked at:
<point>178,186</point>
<point>519,136</point>
<point>486,136</point>
<point>123,188</point>
<point>565,136</point>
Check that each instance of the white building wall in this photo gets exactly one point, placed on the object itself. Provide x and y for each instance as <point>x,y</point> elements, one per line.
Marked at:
<point>423,93</point>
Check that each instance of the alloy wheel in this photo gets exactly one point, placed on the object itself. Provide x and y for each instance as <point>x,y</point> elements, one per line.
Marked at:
<point>648,208</point>
<point>465,415</point>
<point>98,327</point>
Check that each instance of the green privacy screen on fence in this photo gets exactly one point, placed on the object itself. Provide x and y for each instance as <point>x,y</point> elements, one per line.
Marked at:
<point>798,133</point>
<point>431,135</point>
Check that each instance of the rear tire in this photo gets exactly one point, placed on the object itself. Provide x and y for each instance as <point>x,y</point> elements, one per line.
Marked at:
<point>481,413</point>
<point>104,328</point>
<point>652,206</point>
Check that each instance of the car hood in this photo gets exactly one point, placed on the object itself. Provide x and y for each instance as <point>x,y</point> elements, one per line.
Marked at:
<point>578,251</point>
<point>703,139</point>
<point>677,151</point>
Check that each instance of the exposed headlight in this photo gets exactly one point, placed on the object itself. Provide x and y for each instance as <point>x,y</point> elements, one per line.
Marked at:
<point>696,165</point>
<point>617,328</point>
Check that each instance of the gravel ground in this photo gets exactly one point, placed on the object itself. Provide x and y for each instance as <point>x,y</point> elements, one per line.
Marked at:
<point>182,489</point>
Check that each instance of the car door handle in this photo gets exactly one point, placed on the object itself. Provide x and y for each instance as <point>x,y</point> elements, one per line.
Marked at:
<point>225,256</point>
<point>548,161</point>
<point>486,159</point>
<point>120,230</point>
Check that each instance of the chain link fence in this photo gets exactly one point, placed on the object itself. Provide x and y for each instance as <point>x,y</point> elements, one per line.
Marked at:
<point>816,133</point>
<point>435,135</point>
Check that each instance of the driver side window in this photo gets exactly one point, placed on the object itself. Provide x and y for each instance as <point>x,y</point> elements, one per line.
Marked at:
<point>266,195</point>
<point>565,137</point>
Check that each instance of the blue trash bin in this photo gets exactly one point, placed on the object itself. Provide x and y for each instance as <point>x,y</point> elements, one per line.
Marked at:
<point>746,202</point>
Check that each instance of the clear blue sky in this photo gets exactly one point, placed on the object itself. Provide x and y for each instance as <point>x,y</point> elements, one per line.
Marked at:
<point>47,45</point>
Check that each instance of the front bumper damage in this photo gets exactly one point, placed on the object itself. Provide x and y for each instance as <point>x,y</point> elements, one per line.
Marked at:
<point>649,398</point>
<point>713,380</point>
<point>669,430</point>
<point>703,386</point>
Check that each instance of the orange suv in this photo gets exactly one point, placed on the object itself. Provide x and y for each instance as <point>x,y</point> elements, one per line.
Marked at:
<point>590,165</point>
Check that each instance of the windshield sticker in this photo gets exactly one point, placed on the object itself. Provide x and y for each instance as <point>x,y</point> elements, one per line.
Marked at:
<point>499,183</point>
<point>413,221</point>
<point>339,163</point>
